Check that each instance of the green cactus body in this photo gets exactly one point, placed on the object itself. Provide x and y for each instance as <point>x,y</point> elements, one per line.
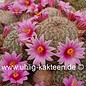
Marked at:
<point>83,10</point>
<point>11,42</point>
<point>77,4</point>
<point>7,17</point>
<point>25,16</point>
<point>57,29</point>
<point>51,11</point>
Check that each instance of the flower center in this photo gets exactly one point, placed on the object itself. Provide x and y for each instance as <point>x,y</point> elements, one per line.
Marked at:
<point>27,2</point>
<point>12,63</point>
<point>74,84</point>
<point>40,49</point>
<point>27,31</point>
<point>15,74</point>
<point>16,9</point>
<point>70,52</point>
<point>32,8</point>
<point>37,14</point>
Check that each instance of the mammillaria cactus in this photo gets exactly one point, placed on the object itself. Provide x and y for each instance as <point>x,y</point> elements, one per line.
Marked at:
<point>7,17</point>
<point>25,16</point>
<point>77,4</point>
<point>80,74</point>
<point>83,10</point>
<point>51,11</point>
<point>45,76</point>
<point>11,42</point>
<point>53,43</point>
<point>57,29</point>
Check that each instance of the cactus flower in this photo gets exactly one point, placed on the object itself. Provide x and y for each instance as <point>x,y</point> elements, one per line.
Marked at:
<point>39,50</point>
<point>73,15</point>
<point>16,8</point>
<point>52,3</point>
<point>71,52</point>
<point>81,22</point>
<point>43,2</point>
<point>25,4</point>
<point>33,8</point>
<point>6,31</point>
<point>17,77</point>
<point>5,6</point>
<point>41,16</point>
<point>11,60</point>
<point>26,30</point>
<point>72,81</point>
<point>64,6</point>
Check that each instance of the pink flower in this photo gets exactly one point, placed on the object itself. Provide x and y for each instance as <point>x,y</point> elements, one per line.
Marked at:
<point>5,6</point>
<point>27,30</point>
<point>43,2</point>
<point>81,22</point>
<point>25,4</point>
<point>33,8</point>
<point>41,84</point>
<point>64,6</point>
<point>18,76</point>
<point>39,50</point>
<point>73,15</point>
<point>39,8</point>
<point>72,81</point>
<point>51,3</point>
<point>71,52</point>
<point>16,8</point>
<point>11,60</point>
<point>6,31</point>
<point>41,16</point>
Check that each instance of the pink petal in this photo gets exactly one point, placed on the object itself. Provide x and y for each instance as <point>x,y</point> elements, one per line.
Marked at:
<point>31,57</point>
<point>42,39</point>
<point>65,81</point>
<point>13,81</point>
<point>7,57</point>
<point>42,60</point>
<point>36,61</point>
<point>25,73</point>
<point>20,81</point>
<point>68,42</point>
<point>14,54</point>
<point>19,57</point>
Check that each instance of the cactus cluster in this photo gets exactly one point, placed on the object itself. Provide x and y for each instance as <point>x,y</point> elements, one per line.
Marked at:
<point>7,17</point>
<point>52,27</point>
<point>51,11</point>
<point>57,29</point>
<point>11,42</point>
<point>78,73</point>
